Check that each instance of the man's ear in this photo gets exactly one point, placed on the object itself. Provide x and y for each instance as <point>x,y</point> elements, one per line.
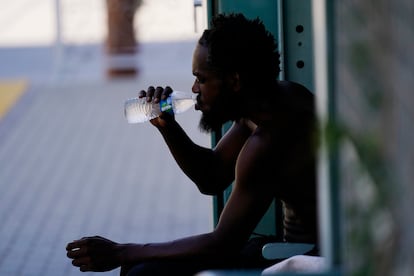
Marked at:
<point>233,81</point>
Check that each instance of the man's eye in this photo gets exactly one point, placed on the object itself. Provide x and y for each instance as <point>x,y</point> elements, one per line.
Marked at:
<point>200,80</point>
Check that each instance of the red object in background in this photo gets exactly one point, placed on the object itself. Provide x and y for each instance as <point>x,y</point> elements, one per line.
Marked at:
<point>121,44</point>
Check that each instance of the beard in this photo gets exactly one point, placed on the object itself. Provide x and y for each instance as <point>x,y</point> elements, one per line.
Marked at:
<point>209,122</point>
<point>225,108</point>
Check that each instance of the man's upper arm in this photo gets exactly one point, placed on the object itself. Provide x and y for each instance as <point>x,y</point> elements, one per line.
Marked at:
<point>251,196</point>
<point>229,147</point>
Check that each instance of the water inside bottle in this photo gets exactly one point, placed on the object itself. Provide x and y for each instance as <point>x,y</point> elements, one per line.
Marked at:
<point>182,105</point>
<point>139,111</point>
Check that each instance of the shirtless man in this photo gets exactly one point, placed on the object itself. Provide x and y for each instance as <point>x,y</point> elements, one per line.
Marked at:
<point>269,152</point>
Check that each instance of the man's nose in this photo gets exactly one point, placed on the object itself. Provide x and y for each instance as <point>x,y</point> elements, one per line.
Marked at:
<point>196,87</point>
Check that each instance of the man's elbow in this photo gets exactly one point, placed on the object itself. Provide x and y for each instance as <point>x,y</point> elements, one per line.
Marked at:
<point>212,190</point>
<point>205,190</point>
<point>227,245</point>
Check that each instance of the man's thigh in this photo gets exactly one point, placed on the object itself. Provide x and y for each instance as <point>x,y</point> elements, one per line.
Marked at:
<point>182,268</point>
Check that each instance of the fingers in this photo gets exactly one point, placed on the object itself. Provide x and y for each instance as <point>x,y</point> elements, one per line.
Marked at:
<point>84,264</point>
<point>85,268</point>
<point>167,91</point>
<point>155,94</point>
<point>142,94</point>
<point>150,93</point>
<point>78,249</point>
<point>77,253</point>
<point>84,261</point>
<point>76,244</point>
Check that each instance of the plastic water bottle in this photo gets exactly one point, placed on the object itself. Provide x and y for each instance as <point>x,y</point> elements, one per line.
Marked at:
<point>138,110</point>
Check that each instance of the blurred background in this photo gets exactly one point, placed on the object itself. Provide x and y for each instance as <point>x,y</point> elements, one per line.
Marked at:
<point>71,166</point>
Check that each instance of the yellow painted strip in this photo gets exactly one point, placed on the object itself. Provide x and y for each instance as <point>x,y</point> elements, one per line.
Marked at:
<point>10,92</point>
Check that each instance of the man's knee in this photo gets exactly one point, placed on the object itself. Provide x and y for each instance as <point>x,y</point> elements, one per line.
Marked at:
<point>156,268</point>
<point>125,269</point>
<point>299,263</point>
<point>140,269</point>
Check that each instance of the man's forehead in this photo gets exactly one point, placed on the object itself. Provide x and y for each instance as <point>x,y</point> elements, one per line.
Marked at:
<point>201,64</point>
<point>201,52</point>
<point>200,58</point>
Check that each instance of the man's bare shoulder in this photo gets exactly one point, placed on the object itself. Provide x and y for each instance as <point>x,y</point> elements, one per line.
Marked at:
<point>292,86</point>
<point>247,124</point>
<point>258,161</point>
<point>262,144</point>
<point>297,97</point>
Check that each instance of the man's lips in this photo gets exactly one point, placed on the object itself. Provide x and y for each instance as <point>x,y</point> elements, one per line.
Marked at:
<point>198,104</point>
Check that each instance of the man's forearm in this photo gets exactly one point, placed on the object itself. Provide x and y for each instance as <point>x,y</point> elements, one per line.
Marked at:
<point>199,246</point>
<point>193,159</point>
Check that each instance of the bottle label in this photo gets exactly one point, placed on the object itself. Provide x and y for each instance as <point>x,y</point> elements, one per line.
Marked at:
<point>166,106</point>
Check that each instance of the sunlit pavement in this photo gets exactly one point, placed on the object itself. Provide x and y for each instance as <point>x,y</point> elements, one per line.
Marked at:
<point>70,164</point>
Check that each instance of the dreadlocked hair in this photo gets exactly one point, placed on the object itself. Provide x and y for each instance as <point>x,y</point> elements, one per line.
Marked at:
<point>237,44</point>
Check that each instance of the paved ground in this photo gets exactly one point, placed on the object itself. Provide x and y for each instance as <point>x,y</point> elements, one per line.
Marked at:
<point>70,164</point>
